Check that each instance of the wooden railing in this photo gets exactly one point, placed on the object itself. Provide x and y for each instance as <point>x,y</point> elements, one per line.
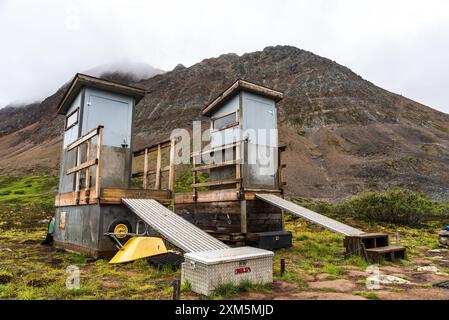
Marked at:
<point>235,162</point>
<point>170,168</point>
<point>87,139</point>
<point>237,181</point>
<point>281,167</point>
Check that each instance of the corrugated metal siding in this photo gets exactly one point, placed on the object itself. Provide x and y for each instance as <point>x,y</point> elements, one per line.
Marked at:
<point>172,227</point>
<point>309,215</point>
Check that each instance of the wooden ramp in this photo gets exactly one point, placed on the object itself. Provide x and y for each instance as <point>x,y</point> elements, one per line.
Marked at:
<point>172,227</point>
<point>309,215</point>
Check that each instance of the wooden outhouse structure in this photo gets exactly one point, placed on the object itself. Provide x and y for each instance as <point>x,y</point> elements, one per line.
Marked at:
<point>244,160</point>
<point>96,161</point>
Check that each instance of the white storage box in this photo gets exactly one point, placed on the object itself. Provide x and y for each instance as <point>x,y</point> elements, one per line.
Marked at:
<point>207,269</point>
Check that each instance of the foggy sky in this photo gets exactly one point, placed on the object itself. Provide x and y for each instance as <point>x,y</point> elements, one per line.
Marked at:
<point>402,46</point>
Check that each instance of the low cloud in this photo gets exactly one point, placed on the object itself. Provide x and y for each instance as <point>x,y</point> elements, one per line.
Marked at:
<point>399,45</point>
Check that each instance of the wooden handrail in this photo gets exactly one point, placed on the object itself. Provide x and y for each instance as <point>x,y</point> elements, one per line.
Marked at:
<point>215,165</point>
<point>82,166</point>
<point>159,169</point>
<point>87,138</point>
<point>84,138</point>
<point>150,172</point>
<point>227,146</point>
<point>151,148</point>
<point>216,183</point>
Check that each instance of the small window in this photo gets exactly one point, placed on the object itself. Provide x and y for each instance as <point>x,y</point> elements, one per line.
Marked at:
<point>72,119</point>
<point>227,120</point>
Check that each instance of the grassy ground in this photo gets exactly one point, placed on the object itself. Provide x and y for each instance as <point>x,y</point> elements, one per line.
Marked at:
<point>317,257</point>
<point>316,266</point>
<point>35,191</point>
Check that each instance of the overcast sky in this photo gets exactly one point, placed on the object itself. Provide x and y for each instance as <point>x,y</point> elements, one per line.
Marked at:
<point>401,45</point>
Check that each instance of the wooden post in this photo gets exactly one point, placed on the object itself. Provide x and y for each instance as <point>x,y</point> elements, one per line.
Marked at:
<point>238,172</point>
<point>280,182</point>
<point>171,173</point>
<point>158,168</point>
<point>282,267</point>
<point>78,174</point>
<point>243,217</point>
<point>87,184</point>
<point>99,160</point>
<point>194,173</point>
<point>176,289</point>
<point>145,169</point>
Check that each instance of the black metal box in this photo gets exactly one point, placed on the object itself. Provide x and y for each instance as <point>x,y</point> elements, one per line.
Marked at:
<point>273,240</point>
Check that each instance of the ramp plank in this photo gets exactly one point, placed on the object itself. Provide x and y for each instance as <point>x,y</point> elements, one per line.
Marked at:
<point>172,227</point>
<point>309,215</point>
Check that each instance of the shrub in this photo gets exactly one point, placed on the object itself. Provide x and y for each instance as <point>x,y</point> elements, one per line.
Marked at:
<point>5,277</point>
<point>395,206</point>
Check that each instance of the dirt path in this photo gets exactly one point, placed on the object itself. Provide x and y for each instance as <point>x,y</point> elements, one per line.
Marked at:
<point>419,278</point>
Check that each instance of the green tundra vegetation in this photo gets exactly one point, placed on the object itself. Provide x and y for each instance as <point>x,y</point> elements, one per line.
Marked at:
<point>397,206</point>
<point>26,205</point>
<point>33,191</point>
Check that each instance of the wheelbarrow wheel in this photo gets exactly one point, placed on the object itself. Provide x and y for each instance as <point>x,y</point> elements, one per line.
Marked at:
<point>121,226</point>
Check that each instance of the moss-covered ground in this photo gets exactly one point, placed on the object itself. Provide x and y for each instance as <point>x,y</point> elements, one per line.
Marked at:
<point>316,265</point>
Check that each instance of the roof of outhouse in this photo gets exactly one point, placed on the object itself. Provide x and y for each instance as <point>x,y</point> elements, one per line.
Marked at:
<point>82,80</point>
<point>235,88</point>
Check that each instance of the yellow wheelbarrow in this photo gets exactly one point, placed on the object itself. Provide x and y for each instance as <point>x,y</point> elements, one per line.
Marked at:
<point>138,246</point>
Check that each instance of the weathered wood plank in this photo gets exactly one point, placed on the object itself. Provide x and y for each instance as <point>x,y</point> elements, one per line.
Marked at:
<point>171,172</point>
<point>84,138</point>
<point>145,170</point>
<point>82,166</point>
<point>109,196</point>
<point>216,183</point>
<point>99,158</point>
<point>89,146</point>
<point>207,196</point>
<point>157,185</point>
<point>151,148</point>
<point>227,146</point>
<point>214,165</point>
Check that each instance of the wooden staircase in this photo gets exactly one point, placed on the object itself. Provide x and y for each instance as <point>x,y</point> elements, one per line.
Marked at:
<point>374,247</point>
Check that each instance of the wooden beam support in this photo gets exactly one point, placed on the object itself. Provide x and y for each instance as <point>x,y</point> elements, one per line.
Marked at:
<point>171,173</point>
<point>213,165</point>
<point>81,166</point>
<point>157,185</point>
<point>87,172</point>
<point>238,170</point>
<point>231,145</point>
<point>88,147</point>
<point>216,183</point>
<point>207,196</point>
<point>78,174</point>
<point>243,217</point>
<point>99,158</point>
<point>84,138</point>
<point>152,148</point>
<point>194,176</point>
<point>145,170</point>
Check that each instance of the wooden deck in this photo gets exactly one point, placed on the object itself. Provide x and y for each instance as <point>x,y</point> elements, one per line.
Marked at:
<point>109,196</point>
<point>115,196</point>
<point>221,195</point>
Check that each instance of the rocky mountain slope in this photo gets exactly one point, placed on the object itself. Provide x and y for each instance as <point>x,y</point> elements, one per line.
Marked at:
<point>344,135</point>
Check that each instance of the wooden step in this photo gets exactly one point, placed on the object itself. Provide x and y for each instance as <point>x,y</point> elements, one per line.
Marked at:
<point>391,253</point>
<point>373,235</point>
<point>369,240</point>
